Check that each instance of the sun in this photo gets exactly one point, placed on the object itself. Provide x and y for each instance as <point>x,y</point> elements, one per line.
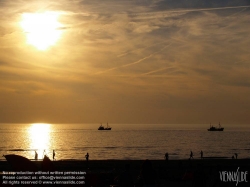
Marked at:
<point>42,29</point>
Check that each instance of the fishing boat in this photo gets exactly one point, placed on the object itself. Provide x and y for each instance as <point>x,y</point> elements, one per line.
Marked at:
<point>104,128</point>
<point>212,128</point>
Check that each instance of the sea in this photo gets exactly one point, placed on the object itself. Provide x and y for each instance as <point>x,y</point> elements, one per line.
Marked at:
<point>124,141</point>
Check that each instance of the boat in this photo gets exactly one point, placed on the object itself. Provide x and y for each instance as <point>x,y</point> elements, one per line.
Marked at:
<point>212,128</point>
<point>104,128</point>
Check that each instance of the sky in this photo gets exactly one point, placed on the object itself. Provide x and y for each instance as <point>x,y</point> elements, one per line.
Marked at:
<point>125,61</point>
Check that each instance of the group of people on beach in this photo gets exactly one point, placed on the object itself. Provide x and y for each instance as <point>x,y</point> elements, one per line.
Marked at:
<point>44,153</point>
<point>54,154</point>
<point>235,156</point>
<point>191,155</point>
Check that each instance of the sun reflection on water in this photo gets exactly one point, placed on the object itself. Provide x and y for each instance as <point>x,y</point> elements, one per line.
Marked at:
<point>39,137</point>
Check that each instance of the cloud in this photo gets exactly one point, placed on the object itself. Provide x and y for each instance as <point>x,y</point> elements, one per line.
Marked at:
<point>136,62</point>
<point>159,56</point>
<point>170,4</point>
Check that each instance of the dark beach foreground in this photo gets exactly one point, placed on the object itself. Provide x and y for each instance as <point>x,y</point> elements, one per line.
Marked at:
<point>195,172</point>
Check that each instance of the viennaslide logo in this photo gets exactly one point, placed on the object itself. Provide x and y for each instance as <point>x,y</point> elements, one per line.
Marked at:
<point>234,176</point>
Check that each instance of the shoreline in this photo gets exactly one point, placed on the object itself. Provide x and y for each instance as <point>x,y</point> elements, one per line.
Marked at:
<point>113,159</point>
<point>112,164</point>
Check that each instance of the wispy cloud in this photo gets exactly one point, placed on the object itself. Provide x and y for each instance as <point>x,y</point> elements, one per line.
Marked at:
<point>133,63</point>
<point>158,70</point>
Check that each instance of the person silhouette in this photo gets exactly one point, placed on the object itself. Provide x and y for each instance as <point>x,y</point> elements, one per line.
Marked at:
<point>87,157</point>
<point>54,154</point>
<point>44,153</point>
<point>36,155</point>
<point>236,155</point>
<point>191,155</point>
<point>201,154</point>
<point>166,156</point>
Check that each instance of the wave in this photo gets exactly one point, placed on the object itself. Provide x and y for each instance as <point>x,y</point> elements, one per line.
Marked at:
<point>14,150</point>
<point>22,149</point>
<point>115,147</point>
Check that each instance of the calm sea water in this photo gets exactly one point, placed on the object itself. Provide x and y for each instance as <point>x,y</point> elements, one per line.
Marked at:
<point>124,141</point>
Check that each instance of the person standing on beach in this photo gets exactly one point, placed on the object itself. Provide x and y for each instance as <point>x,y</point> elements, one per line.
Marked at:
<point>44,153</point>
<point>201,154</point>
<point>191,155</point>
<point>166,156</point>
<point>54,154</point>
<point>36,155</point>
<point>87,157</point>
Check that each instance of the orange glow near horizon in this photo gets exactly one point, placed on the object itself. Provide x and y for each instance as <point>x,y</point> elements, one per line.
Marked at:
<point>42,29</point>
<point>39,134</point>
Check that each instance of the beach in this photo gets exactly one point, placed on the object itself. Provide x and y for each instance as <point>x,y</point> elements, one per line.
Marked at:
<point>194,172</point>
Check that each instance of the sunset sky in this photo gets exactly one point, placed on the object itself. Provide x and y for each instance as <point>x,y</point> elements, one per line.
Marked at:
<point>125,61</point>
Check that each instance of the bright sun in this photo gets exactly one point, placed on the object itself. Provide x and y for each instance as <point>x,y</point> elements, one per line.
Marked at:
<point>42,29</point>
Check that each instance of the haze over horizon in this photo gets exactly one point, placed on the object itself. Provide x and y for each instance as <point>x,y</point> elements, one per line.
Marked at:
<point>153,61</point>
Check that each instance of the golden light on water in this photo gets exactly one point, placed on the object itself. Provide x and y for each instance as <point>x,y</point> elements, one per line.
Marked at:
<point>39,134</point>
<point>42,29</point>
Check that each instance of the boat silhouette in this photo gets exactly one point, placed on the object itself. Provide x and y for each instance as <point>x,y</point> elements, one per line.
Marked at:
<point>104,128</point>
<point>212,128</point>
